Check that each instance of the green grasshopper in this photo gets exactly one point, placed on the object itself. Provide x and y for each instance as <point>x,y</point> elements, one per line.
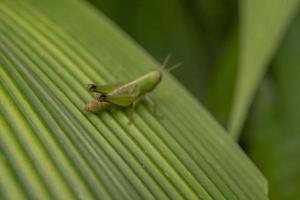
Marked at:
<point>128,94</point>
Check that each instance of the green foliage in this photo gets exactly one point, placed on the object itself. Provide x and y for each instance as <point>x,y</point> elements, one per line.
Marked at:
<point>51,149</point>
<point>221,87</point>
<point>262,24</point>
<point>273,132</point>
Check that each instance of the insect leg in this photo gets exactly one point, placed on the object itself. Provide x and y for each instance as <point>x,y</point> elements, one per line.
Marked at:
<point>153,105</point>
<point>114,108</point>
<point>131,111</point>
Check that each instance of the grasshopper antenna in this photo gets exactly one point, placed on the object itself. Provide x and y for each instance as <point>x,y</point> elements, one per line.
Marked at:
<point>166,61</point>
<point>173,67</point>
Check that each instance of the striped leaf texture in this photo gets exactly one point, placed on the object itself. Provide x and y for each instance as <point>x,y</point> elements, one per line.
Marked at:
<point>51,149</point>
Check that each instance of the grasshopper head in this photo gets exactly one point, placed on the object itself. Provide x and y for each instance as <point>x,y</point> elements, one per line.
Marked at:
<point>158,75</point>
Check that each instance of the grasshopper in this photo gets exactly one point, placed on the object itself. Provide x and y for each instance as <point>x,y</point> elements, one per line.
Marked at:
<point>128,94</point>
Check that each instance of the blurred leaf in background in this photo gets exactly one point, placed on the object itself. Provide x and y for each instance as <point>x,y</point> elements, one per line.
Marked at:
<point>221,85</point>
<point>273,133</point>
<point>261,28</point>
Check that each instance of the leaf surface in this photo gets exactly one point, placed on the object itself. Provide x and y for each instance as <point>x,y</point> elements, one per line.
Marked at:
<point>51,149</point>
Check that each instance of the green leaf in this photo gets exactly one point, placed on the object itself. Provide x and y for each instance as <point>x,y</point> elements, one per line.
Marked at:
<point>51,149</point>
<point>273,132</point>
<point>262,25</point>
<point>222,83</point>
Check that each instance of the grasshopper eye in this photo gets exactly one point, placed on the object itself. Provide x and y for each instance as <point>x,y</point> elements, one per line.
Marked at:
<point>91,87</point>
<point>100,96</point>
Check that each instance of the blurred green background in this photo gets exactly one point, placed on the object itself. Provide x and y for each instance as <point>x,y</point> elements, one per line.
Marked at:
<point>204,35</point>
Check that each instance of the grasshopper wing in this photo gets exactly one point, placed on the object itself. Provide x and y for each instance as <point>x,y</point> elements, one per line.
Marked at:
<point>120,100</point>
<point>107,88</point>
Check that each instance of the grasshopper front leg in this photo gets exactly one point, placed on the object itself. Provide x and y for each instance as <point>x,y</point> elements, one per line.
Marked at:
<point>149,101</point>
<point>130,115</point>
<point>152,105</point>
